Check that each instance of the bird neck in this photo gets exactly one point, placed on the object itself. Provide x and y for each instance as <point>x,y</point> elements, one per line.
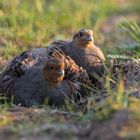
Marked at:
<point>83,44</point>
<point>90,45</point>
<point>53,84</point>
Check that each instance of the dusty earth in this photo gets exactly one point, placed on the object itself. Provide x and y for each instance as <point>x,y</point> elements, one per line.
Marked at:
<point>42,124</point>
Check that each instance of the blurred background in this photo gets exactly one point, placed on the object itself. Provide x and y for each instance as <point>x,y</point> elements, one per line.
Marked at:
<point>35,23</point>
<point>26,24</point>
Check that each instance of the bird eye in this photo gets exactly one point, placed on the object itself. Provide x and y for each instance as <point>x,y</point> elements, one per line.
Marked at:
<point>81,34</point>
<point>51,68</point>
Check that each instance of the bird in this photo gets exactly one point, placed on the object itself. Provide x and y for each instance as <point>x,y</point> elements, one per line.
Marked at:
<point>36,58</point>
<point>84,52</point>
<point>44,82</point>
<point>80,52</point>
<point>81,49</point>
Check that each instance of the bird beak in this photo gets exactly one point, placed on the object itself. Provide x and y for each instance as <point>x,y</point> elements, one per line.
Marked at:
<point>61,73</point>
<point>90,38</point>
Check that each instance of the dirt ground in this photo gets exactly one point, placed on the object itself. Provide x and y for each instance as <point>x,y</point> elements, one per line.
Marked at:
<point>40,124</point>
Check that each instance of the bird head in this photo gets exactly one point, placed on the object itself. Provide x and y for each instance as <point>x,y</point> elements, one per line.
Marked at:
<point>84,38</point>
<point>54,71</point>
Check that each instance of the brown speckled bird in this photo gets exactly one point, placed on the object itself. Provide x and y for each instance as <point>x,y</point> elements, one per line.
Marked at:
<point>39,83</point>
<point>36,58</point>
<point>84,52</point>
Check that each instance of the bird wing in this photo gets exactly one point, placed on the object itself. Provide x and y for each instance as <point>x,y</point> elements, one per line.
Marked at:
<point>15,68</point>
<point>20,64</point>
<point>100,53</point>
<point>72,71</point>
<point>26,60</point>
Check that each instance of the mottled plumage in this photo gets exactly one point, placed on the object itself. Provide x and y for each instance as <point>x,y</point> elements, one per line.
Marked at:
<point>42,82</point>
<point>35,58</point>
<point>83,51</point>
<point>24,61</point>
